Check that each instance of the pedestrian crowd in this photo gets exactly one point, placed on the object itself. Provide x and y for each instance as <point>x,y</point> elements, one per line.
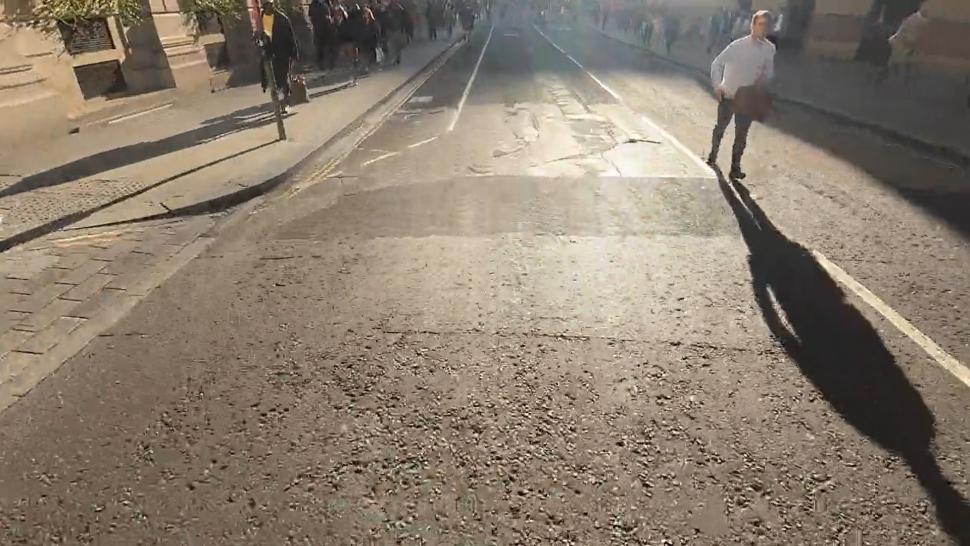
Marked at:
<point>361,33</point>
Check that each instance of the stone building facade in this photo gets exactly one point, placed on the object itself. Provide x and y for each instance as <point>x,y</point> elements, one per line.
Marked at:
<point>52,78</point>
<point>838,27</point>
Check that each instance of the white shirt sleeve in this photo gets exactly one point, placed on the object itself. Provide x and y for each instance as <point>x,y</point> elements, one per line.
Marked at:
<point>717,67</point>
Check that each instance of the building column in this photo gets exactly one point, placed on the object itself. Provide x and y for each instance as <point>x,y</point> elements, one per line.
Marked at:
<point>836,28</point>
<point>30,105</point>
<point>186,56</point>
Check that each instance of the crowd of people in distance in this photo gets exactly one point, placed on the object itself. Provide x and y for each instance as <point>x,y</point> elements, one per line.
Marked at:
<point>361,33</point>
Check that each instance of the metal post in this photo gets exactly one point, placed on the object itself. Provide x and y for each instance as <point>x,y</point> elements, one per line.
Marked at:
<point>270,76</point>
<point>274,95</point>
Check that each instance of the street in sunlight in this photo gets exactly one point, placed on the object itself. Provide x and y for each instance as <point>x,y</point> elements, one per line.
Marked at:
<point>673,272</point>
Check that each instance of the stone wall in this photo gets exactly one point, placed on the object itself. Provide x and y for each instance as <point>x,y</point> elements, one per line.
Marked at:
<point>40,92</point>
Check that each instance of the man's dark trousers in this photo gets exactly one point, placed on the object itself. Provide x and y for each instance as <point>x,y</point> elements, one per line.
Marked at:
<point>742,124</point>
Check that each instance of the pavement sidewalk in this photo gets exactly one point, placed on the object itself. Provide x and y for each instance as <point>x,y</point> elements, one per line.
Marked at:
<point>182,154</point>
<point>928,115</point>
<point>61,289</point>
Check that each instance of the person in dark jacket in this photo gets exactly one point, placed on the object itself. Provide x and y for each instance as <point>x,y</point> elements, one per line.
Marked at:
<point>279,45</point>
<point>350,32</point>
<point>323,19</point>
<point>370,35</point>
<point>393,27</point>
<point>433,16</point>
<point>413,13</point>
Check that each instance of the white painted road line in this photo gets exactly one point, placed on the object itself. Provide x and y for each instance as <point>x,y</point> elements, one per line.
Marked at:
<point>468,86</point>
<point>944,359</point>
<point>139,114</point>
<point>422,142</point>
<point>695,158</point>
<point>379,158</point>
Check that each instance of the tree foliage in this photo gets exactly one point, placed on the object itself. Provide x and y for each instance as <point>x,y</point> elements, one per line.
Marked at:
<point>75,12</point>
<point>128,12</point>
<point>222,8</point>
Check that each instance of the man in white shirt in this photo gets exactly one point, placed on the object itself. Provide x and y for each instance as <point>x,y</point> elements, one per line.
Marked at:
<point>745,62</point>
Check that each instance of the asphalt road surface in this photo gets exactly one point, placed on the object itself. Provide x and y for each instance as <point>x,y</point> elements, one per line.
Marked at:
<point>521,312</point>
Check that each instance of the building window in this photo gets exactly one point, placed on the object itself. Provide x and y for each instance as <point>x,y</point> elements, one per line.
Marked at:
<point>100,79</point>
<point>86,36</point>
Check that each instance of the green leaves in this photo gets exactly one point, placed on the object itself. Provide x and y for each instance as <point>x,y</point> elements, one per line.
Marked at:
<point>128,12</point>
<point>222,8</point>
<point>75,12</point>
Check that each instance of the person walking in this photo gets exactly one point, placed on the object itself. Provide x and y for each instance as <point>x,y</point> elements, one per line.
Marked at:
<point>433,15</point>
<point>449,14</point>
<point>279,43</point>
<point>370,36</point>
<point>746,62</point>
<point>324,33</point>
<point>350,33</point>
<point>905,41</point>
<point>671,25</point>
<point>395,22</point>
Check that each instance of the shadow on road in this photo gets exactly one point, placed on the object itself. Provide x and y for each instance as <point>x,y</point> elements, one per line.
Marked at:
<point>840,352</point>
<point>211,129</point>
<point>77,216</point>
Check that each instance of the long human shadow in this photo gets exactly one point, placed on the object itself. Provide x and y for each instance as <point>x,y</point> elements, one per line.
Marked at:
<point>840,352</point>
<point>211,129</point>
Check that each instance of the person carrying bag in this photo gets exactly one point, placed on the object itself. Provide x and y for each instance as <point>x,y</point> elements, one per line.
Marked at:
<point>739,75</point>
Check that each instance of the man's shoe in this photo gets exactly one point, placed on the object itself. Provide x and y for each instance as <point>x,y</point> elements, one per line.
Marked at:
<point>712,160</point>
<point>736,173</point>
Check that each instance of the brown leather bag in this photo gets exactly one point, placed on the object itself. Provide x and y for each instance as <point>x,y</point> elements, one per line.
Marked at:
<point>752,101</point>
<point>298,92</point>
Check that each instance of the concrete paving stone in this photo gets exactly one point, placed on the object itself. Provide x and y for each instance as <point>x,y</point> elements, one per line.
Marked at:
<point>132,277</point>
<point>90,286</point>
<point>14,363</point>
<point>82,273</point>
<point>26,369</point>
<point>113,250</point>
<point>43,278</point>
<point>23,264</point>
<point>17,276</point>
<point>128,262</point>
<point>125,281</point>
<point>35,322</point>
<point>182,234</point>
<point>17,303</point>
<point>70,262</point>
<point>136,235</point>
<point>10,318</point>
<point>76,251</point>
<point>36,301</point>
<point>43,341</point>
<point>15,286</point>
<point>141,283</point>
<point>99,303</point>
<point>157,246</point>
<point>12,339</point>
